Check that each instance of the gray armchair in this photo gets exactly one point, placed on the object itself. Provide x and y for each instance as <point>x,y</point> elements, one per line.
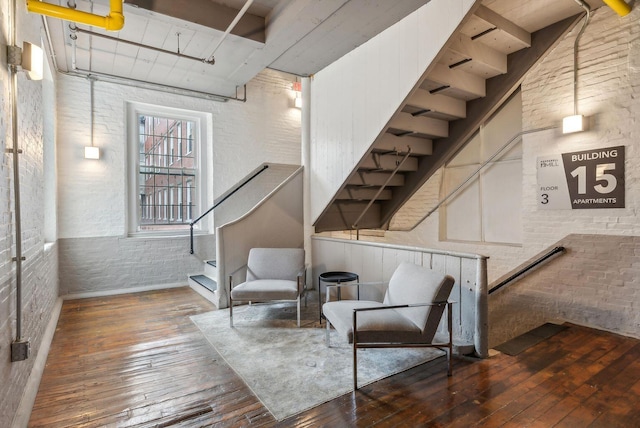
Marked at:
<point>408,317</point>
<point>273,274</point>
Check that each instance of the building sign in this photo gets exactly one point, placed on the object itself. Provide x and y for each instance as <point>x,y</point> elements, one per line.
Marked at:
<point>580,180</point>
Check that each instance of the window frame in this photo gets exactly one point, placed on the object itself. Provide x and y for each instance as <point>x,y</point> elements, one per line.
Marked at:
<point>202,140</point>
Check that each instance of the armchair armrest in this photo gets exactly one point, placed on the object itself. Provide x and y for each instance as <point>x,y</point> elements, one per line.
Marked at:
<point>233,273</point>
<point>301,277</point>
<point>413,305</point>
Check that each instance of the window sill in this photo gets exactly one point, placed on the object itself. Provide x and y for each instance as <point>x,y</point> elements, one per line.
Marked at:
<point>173,234</point>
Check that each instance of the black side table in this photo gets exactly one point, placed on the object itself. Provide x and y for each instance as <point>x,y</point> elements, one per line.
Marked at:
<point>335,278</point>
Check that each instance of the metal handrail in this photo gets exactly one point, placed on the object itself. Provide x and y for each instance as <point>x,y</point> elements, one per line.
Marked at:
<point>527,268</point>
<point>221,201</point>
<point>393,173</point>
<point>472,175</point>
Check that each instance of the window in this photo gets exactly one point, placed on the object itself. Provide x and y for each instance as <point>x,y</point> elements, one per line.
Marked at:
<point>488,208</point>
<point>161,180</point>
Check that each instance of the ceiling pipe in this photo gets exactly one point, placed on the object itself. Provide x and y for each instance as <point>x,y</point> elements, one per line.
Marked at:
<point>114,21</point>
<point>619,6</point>
<point>231,27</point>
<point>140,45</point>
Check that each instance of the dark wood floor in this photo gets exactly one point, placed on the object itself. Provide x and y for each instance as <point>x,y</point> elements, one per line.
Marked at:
<point>137,360</point>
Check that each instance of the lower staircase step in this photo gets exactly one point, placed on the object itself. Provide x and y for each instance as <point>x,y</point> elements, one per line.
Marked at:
<point>212,263</point>
<point>530,338</point>
<point>205,281</point>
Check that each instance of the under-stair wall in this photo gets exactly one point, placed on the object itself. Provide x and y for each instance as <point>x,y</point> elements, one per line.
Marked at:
<point>354,98</point>
<point>276,221</point>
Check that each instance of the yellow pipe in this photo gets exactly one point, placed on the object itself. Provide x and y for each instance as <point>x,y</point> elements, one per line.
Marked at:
<point>114,21</point>
<point>619,6</point>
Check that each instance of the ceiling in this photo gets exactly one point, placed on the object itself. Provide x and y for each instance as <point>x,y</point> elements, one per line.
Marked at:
<point>296,36</point>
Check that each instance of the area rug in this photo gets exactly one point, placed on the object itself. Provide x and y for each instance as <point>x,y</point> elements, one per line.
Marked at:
<point>291,369</point>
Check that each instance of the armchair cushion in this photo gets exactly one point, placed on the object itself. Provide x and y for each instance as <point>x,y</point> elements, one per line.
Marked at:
<point>373,326</point>
<point>266,289</point>
<point>273,274</point>
<point>412,284</point>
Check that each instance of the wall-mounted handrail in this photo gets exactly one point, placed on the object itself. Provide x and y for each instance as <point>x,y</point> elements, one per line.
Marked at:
<point>472,175</point>
<point>244,183</point>
<point>527,268</point>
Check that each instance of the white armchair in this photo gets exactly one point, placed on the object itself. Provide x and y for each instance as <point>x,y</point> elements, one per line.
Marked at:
<point>408,317</point>
<point>273,274</point>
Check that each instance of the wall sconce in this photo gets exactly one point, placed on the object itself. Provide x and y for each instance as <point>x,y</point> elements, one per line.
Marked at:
<point>91,152</point>
<point>297,90</point>
<point>30,58</point>
<point>573,123</point>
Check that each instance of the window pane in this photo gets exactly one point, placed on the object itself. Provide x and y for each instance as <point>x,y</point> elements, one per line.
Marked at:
<point>163,171</point>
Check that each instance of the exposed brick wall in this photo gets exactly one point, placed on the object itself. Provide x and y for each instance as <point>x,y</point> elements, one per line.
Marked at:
<point>39,270</point>
<point>95,254</point>
<point>595,283</point>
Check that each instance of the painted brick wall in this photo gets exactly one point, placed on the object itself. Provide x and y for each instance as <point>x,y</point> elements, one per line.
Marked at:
<point>95,254</point>
<point>595,283</point>
<point>39,270</point>
<point>608,88</point>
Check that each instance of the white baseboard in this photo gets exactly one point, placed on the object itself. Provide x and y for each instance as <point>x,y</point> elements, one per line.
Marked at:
<point>21,418</point>
<point>115,292</point>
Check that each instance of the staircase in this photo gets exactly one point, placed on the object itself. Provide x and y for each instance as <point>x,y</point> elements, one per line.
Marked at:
<point>205,283</point>
<point>482,64</point>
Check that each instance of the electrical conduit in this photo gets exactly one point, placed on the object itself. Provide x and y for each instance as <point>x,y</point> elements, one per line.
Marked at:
<point>114,21</point>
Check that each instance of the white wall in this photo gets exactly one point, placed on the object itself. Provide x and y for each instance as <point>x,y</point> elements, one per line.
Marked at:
<point>39,269</point>
<point>93,194</point>
<point>353,99</point>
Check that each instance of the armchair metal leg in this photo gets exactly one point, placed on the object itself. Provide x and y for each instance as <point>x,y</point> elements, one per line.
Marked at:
<point>230,302</point>
<point>355,366</point>
<point>450,350</point>
<point>355,351</point>
<point>328,333</point>
<point>298,311</point>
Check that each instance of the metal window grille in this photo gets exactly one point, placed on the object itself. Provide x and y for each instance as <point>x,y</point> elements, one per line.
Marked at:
<point>166,177</point>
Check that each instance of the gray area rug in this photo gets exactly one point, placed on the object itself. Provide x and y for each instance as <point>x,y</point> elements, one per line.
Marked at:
<point>291,369</point>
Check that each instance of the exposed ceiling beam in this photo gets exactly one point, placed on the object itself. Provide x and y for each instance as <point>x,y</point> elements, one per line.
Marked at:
<point>209,14</point>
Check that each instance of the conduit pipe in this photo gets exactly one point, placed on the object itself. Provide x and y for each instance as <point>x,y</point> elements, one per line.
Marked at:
<point>587,9</point>
<point>15,151</point>
<point>140,45</point>
<point>619,6</point>
<point>114,21</point>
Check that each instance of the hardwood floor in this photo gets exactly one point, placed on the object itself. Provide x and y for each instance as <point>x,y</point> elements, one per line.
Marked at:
<point>137,360</point>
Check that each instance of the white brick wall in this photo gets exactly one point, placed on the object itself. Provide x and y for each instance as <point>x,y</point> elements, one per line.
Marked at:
<point>95,255</point>
<point>39,270</point>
